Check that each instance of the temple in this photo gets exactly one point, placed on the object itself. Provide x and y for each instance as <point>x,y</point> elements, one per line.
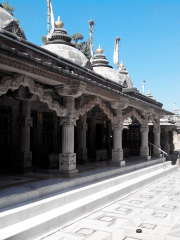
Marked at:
<point>58,109</point>
<point>84,155</point>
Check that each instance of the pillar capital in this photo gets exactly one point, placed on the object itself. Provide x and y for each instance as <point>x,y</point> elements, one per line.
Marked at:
<point>69,120</point>
<point>167,129</point>
<point>157,129</point>
<point>117,125</point>
<point>82,126</point>
<point>144,128</point>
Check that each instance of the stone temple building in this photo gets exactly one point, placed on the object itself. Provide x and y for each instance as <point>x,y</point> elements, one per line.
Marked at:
<point>58,109</point>
<point>81,149</point>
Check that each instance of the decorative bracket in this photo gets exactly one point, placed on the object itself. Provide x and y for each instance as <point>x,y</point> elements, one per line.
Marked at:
<point>124,102</point>
<point>134,113</point>
<point>75,90</point>
<point>88,106</point>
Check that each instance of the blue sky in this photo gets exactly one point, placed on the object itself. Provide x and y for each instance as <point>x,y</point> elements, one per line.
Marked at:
<point>149,32</point>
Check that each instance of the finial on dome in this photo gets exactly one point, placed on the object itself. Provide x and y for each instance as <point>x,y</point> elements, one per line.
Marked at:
<point>99,50</point>
<point>121,65</point>
<point>59,23</point>
<point>148,93</point>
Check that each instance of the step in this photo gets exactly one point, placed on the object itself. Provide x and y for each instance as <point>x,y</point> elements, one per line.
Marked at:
<point>45,222</point>
<point>20,212</point>
<point>38,192</point>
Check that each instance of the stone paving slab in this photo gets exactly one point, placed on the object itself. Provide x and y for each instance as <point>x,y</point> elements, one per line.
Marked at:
<point>154,209</point>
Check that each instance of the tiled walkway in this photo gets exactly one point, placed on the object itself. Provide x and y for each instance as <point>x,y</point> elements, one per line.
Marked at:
<point>154,209</point>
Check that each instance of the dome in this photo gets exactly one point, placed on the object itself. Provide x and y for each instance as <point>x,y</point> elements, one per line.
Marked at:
<point>100,66</point>
<point>109,73</point>
<point>5,18</point>
<point>59,42</point>
<point>68,52</point>
<point>9,23</point>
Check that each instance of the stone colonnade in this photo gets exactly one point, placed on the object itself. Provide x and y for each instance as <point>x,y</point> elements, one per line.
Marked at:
<point>67,159</point>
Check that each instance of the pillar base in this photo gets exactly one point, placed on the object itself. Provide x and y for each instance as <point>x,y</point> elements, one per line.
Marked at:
<point>23,163</point>
<point>158,155</point>
<point>67,163</point>
<point>82,154</point>
<point>117,163</point>
<point>73,172</point>
<point>156,151</point>
<point>54,161</point>
<point>144,151</point>
<point>25,159</point>
<point>117,155</point>
<point>147,158</point>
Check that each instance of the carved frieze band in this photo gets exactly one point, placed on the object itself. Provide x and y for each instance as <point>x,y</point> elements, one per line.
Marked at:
<point>100,91</point>
<point>11,62</point>
<point>134,113</point>
<point>31,69</point>
<point>89,105</point>
<point>14,83</point>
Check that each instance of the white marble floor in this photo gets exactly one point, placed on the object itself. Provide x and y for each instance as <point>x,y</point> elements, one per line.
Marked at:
<point>154,209</point>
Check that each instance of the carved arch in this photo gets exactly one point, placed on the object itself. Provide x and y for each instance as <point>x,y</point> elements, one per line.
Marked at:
<point>88,106</point>
<point>134,113</point>
<point>14,83</point>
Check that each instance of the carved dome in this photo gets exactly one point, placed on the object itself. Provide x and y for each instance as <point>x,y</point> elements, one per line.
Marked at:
<point>100,66</point>
<point>59,42</point>
<point>68,52</point>
<point>9,23</point>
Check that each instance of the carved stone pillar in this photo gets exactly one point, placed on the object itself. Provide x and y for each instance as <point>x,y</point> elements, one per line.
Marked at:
<point>144,149</point>
<point>67,159</point>
<point>25,156</point>
<point>157,137</point>
<point>171,142</point>
<point>55,129</point>
<point>14,124</point>
<point>166,140</point>
<point>82,128</point>
<point>117,151</point>
<point>39,141</point>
